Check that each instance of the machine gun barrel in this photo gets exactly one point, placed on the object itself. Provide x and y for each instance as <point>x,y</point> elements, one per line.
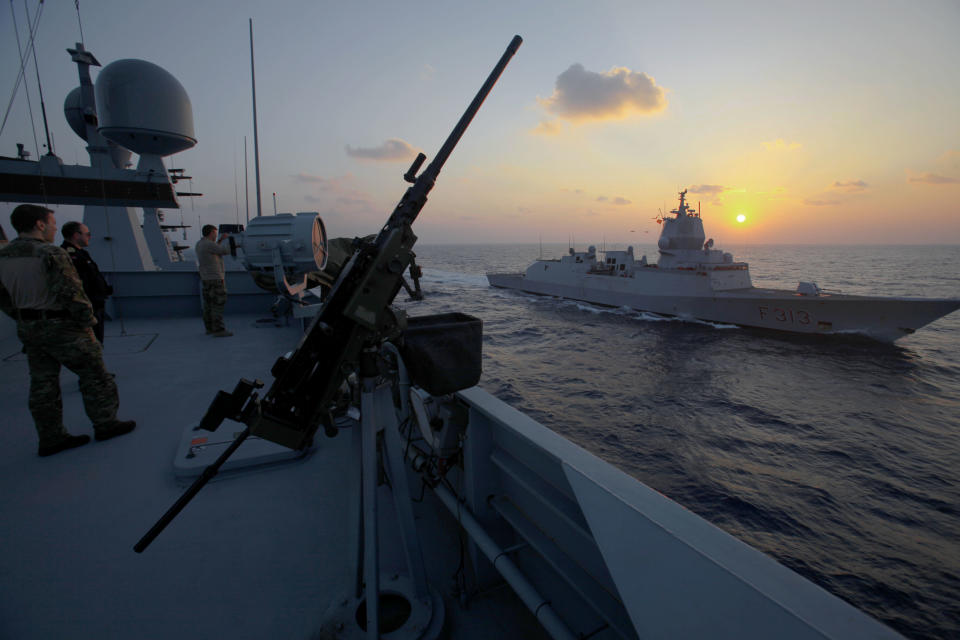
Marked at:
<point>188,495</point>
<point>356,311</point>
<point>430,174</point>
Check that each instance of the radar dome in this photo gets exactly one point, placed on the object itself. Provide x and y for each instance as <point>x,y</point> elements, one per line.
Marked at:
<point>144,108</point>
<point>73,110</point>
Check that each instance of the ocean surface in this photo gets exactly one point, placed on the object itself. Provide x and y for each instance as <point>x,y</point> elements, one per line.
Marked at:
<point>839,457</point>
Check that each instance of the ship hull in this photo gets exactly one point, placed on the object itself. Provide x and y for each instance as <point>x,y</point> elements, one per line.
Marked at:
<point>882,318</point>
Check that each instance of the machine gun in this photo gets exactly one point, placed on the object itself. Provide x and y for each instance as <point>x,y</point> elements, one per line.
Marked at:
<point>355,318</point>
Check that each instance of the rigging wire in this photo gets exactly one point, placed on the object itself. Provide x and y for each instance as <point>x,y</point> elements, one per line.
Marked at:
<point>22,73</point>
<point>76,3</point>
<point>36,66</point>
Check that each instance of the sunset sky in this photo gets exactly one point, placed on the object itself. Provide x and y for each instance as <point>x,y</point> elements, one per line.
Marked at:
<point>820,122</point>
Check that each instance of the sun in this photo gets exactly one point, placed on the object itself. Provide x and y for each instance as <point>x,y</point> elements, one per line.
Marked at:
<point>741,218</point>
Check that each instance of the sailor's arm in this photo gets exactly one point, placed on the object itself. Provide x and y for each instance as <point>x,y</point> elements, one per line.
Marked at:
<point>6,303</point>
<point>64,283</point>
<point>219,248</point>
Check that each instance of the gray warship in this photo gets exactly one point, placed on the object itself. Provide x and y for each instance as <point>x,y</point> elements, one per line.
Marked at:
<point>694,280</point>
<point>546,539</point>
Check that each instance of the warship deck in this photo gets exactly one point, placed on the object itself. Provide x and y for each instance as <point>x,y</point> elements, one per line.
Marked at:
<point>257,554</point>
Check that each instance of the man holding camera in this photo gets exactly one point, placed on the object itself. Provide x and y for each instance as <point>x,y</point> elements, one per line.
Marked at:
<point>210,252</point>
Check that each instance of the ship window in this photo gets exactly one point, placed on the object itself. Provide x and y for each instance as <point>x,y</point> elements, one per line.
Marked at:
<point>622,267</point>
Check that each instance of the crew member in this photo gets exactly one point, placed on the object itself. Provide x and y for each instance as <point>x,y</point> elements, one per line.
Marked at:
<point>210,252</point>
<point>76,237</point>
<point>40,289</point>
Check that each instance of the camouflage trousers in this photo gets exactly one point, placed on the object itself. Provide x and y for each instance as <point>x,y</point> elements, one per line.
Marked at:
<point>50,344</point>
<point>214,299</point>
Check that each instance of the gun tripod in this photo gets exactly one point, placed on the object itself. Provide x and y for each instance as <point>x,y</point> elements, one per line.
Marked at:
<point>403,605</point>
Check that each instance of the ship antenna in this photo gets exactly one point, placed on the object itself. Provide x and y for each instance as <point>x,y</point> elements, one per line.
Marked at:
<point>246,180</point>
<point>236,185</point>
<point>256,143</point>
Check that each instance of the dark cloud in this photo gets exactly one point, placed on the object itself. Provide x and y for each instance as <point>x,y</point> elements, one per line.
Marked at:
<point>619,200</point>
<point>850,185</point>
<point>711,189</point>
<point>588,95</point>
<point>393,150</point>
<point>601,198</point>
<point>933,178</point>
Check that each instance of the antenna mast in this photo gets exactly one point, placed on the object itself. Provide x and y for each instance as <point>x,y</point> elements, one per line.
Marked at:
<point>256,143</point>
<point>246,180</point>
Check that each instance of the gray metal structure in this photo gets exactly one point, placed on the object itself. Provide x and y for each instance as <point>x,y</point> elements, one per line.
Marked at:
<point>694,280</point>
<point>135,106</point>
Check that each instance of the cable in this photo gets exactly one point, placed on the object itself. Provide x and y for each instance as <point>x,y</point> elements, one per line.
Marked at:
<point>21,75</point>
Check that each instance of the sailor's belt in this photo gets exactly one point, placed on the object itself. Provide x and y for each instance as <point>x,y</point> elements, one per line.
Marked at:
<point>42,314</point>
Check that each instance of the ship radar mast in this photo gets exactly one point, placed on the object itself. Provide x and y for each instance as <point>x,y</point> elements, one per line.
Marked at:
<point>683,209</point>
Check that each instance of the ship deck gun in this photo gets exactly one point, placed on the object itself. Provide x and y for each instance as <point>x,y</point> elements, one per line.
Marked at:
<point>356,316</point>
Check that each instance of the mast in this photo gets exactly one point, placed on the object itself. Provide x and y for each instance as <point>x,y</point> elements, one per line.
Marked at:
<point>256,143</point>
<point>246,180</point>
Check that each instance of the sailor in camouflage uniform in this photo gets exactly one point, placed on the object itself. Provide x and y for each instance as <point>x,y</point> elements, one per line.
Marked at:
<point>40,289</point>
<point>210,254</point>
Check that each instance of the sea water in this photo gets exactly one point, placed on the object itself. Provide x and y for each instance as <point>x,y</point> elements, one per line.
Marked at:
<point>839,457</point>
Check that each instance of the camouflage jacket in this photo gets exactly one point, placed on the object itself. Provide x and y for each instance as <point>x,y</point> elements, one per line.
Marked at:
<point>59,279</point>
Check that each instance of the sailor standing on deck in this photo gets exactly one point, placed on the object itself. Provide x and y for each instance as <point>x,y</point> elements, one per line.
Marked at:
<point>210,254</point>
<point>40,289</point>
<point>76,236</point>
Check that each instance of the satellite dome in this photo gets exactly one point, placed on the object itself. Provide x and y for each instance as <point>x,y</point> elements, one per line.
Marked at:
<point>144,108</point>
<point>73,110</point>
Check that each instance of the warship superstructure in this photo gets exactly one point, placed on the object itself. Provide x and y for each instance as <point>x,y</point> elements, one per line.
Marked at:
<point>694,280</point>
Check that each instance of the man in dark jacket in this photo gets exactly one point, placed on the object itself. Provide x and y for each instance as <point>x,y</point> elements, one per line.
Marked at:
<point>76,236</point>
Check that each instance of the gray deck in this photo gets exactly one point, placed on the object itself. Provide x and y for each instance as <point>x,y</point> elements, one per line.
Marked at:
<point>256,555</point>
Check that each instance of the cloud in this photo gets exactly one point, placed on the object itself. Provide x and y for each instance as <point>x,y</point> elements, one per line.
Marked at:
<point>820,203</point>
<point>617,200</point>
<point>850,185</point>
<point>306,177</point>
<point>393,150</point>
<point>341,190</point>
<point>547,128</point>
<point>950,159</point>
<point>933,178</point>
<point>710,189</point>
<point>581,95</point>
<point>780,145</point>
<point>426,72</point>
